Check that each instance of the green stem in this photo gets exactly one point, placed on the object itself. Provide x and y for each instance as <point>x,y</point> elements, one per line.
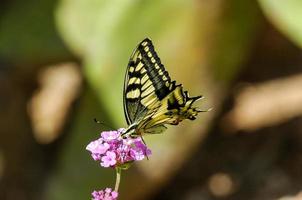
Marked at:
<point>118,178</point>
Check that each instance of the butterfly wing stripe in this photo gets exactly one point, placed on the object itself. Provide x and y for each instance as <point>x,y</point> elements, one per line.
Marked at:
<point>146,85</point>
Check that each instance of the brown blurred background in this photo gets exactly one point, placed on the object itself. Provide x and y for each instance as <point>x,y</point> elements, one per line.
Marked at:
<point>62,64</point>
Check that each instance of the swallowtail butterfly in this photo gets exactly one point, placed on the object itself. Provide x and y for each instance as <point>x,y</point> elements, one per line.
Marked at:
<point>151,99</point>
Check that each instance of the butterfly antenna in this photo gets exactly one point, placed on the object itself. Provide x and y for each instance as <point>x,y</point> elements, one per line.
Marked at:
<point>146,145</point>
<point>99,122</point>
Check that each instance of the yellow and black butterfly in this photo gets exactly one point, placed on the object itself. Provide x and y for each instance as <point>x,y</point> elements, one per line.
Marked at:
<point>151,99</point>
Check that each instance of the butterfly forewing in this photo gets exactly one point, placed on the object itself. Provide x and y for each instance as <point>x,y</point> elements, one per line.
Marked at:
<point>146,83</point>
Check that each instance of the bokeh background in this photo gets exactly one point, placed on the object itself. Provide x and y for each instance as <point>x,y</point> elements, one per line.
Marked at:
<point>62,64</point>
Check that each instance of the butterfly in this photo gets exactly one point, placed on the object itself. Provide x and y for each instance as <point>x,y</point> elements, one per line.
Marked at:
<point>151,100</point>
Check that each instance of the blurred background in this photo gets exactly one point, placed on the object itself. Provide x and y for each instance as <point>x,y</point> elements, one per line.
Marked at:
<point>62,64</point>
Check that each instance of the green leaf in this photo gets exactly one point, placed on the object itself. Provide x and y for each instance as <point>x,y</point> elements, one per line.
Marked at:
<point>233,38</point>
<point>28,35</point>
<point>286,15</point>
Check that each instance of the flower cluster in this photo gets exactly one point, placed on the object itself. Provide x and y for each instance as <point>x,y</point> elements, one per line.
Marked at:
<point>106,194</point>
<point>112,150</point>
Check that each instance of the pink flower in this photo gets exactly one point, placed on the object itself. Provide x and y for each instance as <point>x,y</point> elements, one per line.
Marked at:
<point>140,150</point>
<point>113,150</point>
<point>98,146</point>
<point>110,135</point>
<point>109,159</point>
<point>106,194</point>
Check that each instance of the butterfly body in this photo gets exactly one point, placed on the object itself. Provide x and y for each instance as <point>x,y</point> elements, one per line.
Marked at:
<point>151,99</point>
